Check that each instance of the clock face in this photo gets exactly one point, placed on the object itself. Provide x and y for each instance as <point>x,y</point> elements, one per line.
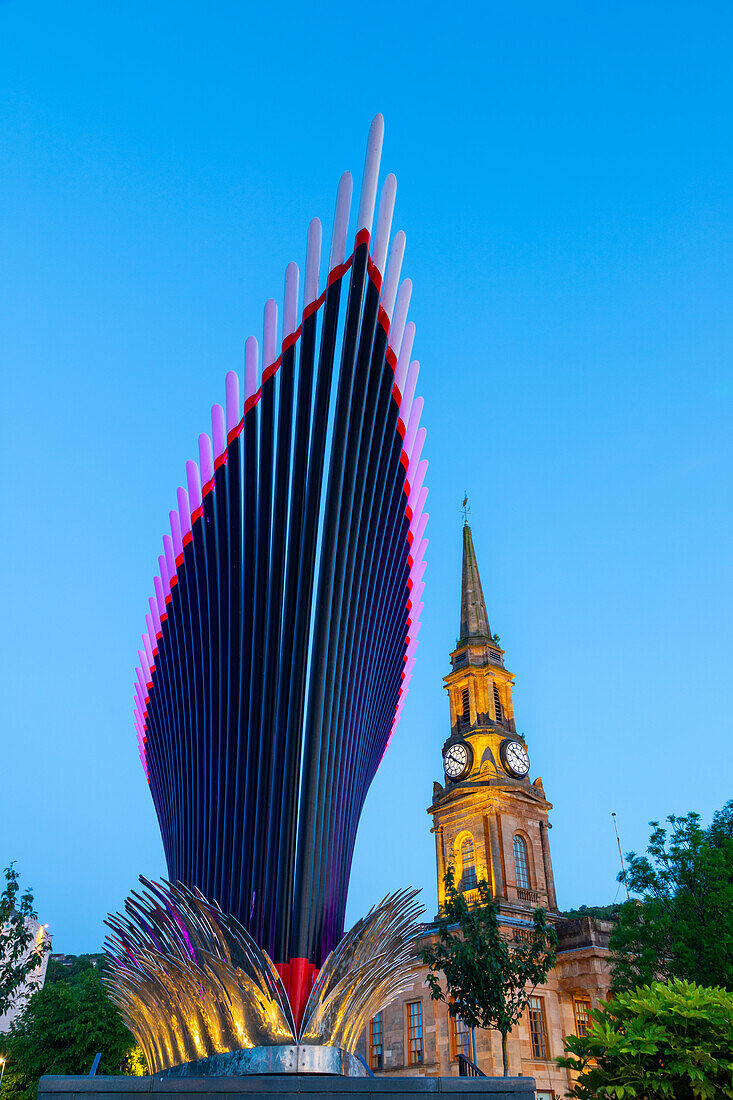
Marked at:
<point>457,760</point>
<point>515,758</point>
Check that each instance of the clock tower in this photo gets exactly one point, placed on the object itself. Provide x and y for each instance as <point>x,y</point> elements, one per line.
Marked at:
<point>490,819</point>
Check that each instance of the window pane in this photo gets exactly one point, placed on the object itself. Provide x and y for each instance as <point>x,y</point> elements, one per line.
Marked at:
<point>414,1033</point>
<point>376,1041</point>
<point>521,863</point>
<point>582,1016</point>
<point>460,1038</point>
<point>538,1027</point>
<point>468,865</point>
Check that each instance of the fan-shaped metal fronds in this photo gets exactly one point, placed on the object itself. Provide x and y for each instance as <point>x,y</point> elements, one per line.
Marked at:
<point>371,966</point>
<point>190,981</point>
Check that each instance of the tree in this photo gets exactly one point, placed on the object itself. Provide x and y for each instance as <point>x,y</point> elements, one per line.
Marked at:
<point>489,978</point>
<point>21,952</point>
<point>63,1026</point>
<point>659,1042</point>
<point>598,912</point>
<point>681,925</point>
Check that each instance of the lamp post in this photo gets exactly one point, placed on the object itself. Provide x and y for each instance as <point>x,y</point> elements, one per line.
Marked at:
<point>2,1071</point>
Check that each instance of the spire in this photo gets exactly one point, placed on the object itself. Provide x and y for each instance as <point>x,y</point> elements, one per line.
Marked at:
<point>474,620</point>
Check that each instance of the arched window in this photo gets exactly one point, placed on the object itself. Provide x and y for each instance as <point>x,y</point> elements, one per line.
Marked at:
<point>521,862</point>
<point>468,865</point>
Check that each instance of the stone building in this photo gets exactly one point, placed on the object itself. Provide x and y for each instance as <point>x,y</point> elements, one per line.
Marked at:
<point>491,821</point>
<point>35,979</point>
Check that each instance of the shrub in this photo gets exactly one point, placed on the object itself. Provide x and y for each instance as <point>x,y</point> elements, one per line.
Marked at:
<point>657,1042</point>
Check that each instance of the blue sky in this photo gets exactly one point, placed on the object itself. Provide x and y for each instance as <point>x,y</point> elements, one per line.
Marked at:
<point>564,180</point>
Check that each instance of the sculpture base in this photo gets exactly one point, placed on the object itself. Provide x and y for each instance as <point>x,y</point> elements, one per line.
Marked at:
<point>279,1087</point>
<point>282,1058</point>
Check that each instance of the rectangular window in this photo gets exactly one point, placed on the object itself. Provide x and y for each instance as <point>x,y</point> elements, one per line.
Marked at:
<point>582,1016</point>
<point>376,1041</point>
<point>460,659</point>
<point>414,1033</point>
<point>538,1028</point>
<point>466,705</point>
<point>460,1039</point>
<point>497,704</point>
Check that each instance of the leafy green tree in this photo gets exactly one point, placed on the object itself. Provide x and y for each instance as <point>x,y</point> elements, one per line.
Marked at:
<point>62,1028</point>
<point>489,978</point>
<point>681,926</point>
<point>70,969</point>
<point>658,1042</point>
<point>20,954</point>
<point>599,912</point>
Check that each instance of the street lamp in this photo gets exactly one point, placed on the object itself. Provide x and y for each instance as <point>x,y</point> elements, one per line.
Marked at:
<point>2,1071</point>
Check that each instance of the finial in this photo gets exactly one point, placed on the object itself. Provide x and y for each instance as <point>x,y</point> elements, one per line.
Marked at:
<point>466,509</point>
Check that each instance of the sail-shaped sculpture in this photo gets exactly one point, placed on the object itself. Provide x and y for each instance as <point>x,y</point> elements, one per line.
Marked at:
<point>281,638</point>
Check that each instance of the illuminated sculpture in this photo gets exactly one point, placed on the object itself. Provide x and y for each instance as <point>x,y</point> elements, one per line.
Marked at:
<point>281,638</point>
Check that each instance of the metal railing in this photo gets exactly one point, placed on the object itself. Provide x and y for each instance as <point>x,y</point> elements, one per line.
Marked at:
<point>467,1068</point>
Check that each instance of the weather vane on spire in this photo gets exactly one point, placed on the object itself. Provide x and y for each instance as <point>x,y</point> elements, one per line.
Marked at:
<point>466,509</point>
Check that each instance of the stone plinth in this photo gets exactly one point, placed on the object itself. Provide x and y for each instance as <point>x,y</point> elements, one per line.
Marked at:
<point>285,1087</point>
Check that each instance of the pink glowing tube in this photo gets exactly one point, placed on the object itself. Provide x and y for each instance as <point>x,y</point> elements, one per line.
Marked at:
<point>169,548</point>
<point>418,615</point>
<point>420,528</point>
<point>160,589</point>
<point>176,536</point>
<point>142,681</point>
<point>184,514</point>
<point>391,282</point>
<point>417,484</point>
<point>383,227</point>
<point>409,392</point>
<point>417,575</point>
<point>412,426</point>
<point>418,584</point>
<point>206,461</point>
<point>397,328</point>
<point>145,663</point>
<point>418,513</point>
<point>368,195</point>
<point>232,401</point>
<point>193,477</point>
<point>416,452</point>
<point>218,430</point>
<point>269,339</point>
<point>312,263</point>
<point>154,611</point>
<point>139,692</point>
<point>290,302</point>
<point>251,371</point>
<point>147,643</point>
<point>340,222</point>
<point>418,556</point>
<point>403,361</point>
